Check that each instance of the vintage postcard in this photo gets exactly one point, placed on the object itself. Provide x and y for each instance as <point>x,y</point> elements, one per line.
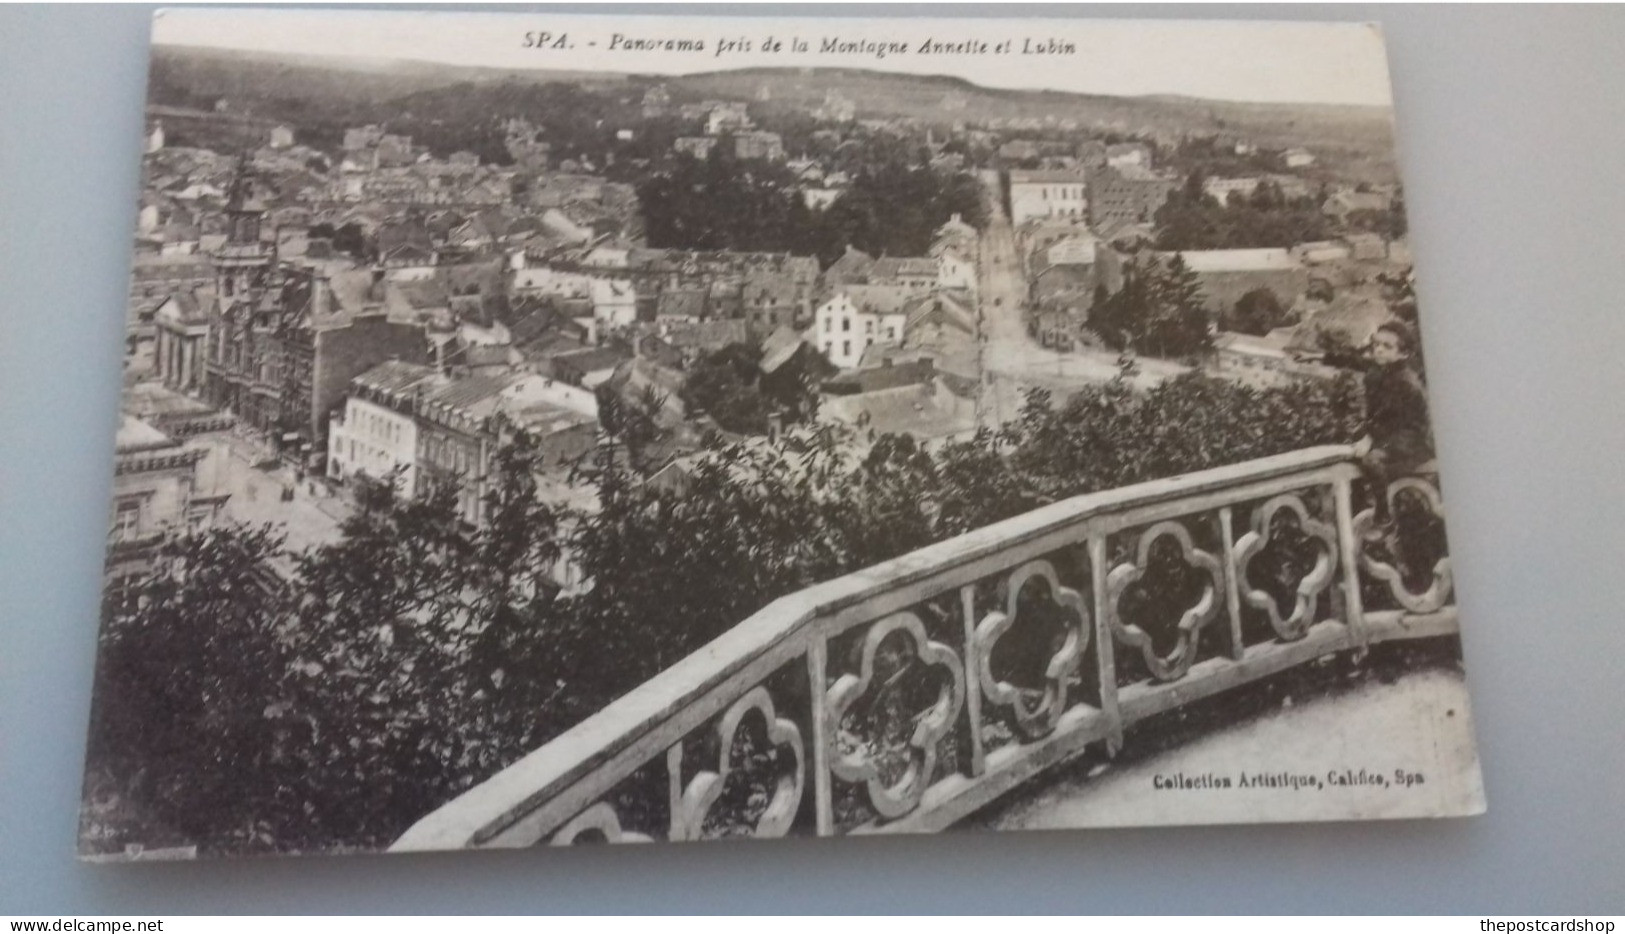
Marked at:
<point>545,429</point>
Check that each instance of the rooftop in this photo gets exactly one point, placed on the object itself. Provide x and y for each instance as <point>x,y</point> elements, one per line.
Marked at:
<point>393,376</point>
<point>136,435</point>
<point>1257,260</point>
<point>1047,177</point>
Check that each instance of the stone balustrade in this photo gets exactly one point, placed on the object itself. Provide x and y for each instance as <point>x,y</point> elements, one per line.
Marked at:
<point>907,695</point>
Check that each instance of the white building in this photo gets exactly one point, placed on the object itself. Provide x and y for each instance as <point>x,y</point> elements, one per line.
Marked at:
<point>1123,155</point>
<point>545,280</point>
<point>1049,193</point>
<point>373,438</point>
<point>1298,158</point>
<point>844,329</point>
<point>614,302</point>
<point>955,271</point>
<point>1219,189</point>
<point>818,199</point>
<point>608,257</point>
<point>727,116</point>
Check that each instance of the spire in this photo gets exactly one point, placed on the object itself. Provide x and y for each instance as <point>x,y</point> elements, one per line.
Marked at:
<point>243,205</point>
<point>243,248</point>
<point>243,196</point>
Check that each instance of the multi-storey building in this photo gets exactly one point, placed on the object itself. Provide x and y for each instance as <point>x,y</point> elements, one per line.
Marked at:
<point>157,492</point>
<point>758,144</point>
<point>1050,193</point>
<point>377,432</point>
<point>1129,195</point>
<point>463,423</point>
<point>726,116</point>
<point>845,328</point>
<point>285,341</point>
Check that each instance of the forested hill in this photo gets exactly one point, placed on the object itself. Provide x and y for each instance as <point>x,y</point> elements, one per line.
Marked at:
<point>265,84</point>
<point>326,92</point>
<point>886,94</point>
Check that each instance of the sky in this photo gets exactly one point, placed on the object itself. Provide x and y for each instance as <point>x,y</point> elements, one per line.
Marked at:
<point>1332,63</point>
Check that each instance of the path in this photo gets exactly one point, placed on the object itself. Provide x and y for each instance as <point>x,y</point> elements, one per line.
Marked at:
<point>309,519</point>
<point>1011,360</point>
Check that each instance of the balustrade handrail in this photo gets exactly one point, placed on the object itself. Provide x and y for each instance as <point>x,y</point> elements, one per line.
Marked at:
<point>769,636</point>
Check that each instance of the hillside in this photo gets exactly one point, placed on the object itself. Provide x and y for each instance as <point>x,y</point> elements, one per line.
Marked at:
<point>332,92</point>
<point>1353,132</point>
<point>269,85</point>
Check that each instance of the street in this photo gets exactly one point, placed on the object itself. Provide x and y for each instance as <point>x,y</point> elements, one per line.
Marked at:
<point>1011,361</point>
<point>309,520</point>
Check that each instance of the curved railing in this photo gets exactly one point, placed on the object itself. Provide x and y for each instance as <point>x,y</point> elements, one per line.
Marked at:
<point>907,695</point>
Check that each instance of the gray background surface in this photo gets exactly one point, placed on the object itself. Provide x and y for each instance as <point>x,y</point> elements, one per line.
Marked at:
<point>1512,132</point>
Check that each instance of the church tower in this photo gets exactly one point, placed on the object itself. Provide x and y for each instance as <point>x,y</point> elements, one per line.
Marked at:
<point>243,264</point>
<point>243,271</point>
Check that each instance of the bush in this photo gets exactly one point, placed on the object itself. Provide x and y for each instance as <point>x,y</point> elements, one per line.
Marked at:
<point>1258,312</point>
<point>330,706</point>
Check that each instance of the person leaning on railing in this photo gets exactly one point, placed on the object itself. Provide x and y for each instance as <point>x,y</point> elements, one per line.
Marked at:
<point>1398,441</point>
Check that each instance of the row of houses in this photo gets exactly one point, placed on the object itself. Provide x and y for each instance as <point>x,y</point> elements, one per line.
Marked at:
<point>1130,193</point>
<point>420,427</point>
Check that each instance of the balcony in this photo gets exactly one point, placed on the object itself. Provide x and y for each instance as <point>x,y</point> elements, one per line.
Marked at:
<point>906,696</point>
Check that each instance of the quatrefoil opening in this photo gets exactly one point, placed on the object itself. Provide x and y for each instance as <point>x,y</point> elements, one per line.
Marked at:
<point>599,820</point>
<point>1038,708</point>
<point>706,788</point>
<point>1178,661</point>
<point>1440,586</point>
<point>893,795</point>
<point>1309,586</point>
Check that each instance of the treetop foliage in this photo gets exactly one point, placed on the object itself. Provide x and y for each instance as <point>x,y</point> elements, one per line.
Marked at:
<point>1192,220</point>
<point>262,701</point>
<point>1157,311</point>
<point>722,203</point>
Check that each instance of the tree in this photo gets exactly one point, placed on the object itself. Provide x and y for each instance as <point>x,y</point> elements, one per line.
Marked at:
<point>1157,311</point>
<point>1191,220</point>
<point>346,239</point>
<point>724,385</point>
<point>251,703</point>
<point>893,206</point>
<point>1257,312</point>
<point>191,723</point>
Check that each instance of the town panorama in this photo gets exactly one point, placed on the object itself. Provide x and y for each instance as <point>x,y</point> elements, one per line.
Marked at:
<point>459,403</point>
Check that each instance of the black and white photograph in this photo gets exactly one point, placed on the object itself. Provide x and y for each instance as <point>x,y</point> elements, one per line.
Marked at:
<point>545,430</point>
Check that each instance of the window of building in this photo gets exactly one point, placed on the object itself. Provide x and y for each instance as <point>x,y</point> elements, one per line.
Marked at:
<point>846,348</point>
<point>126,521</point>
<point>123,593</point>
<point>846,324</point>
